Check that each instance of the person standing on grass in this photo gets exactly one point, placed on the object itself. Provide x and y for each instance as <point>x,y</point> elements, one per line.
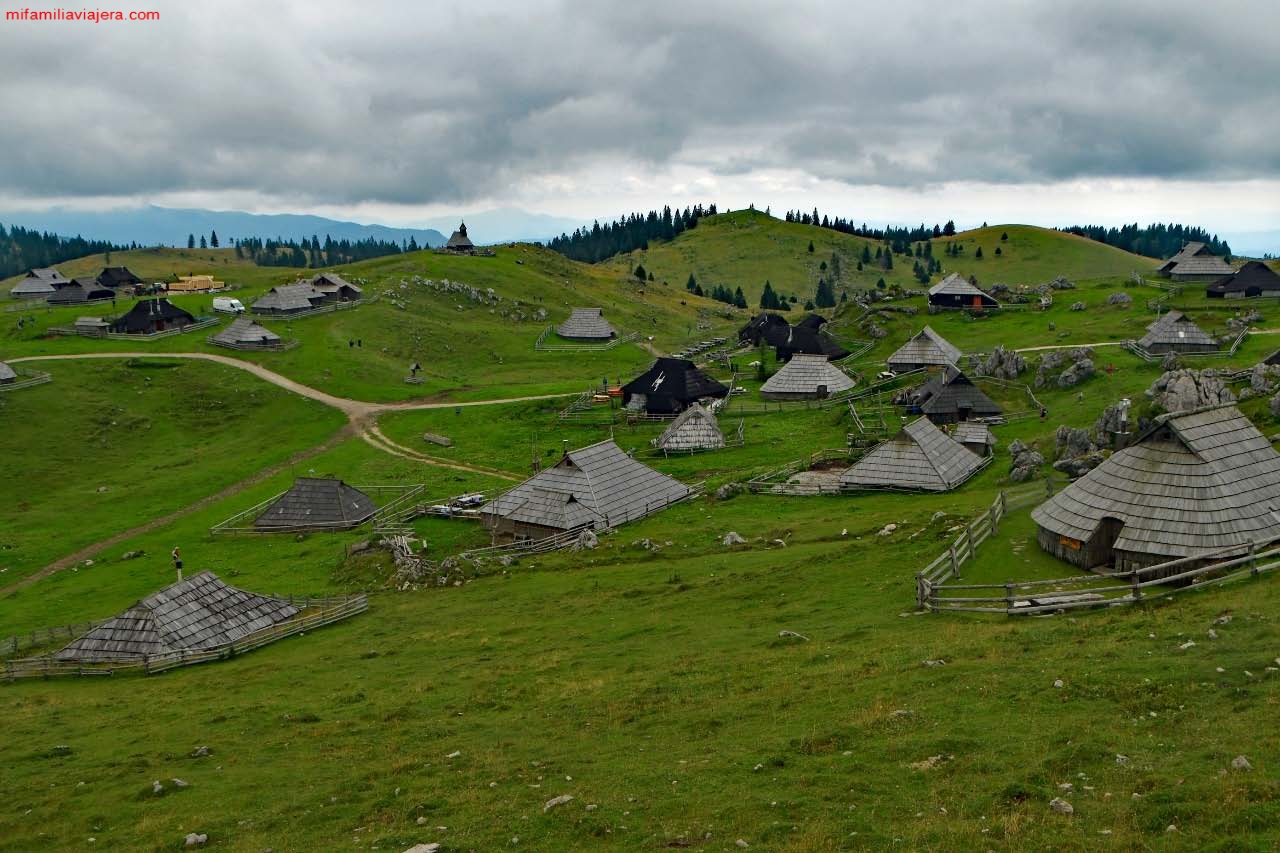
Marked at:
<point>177,561</point>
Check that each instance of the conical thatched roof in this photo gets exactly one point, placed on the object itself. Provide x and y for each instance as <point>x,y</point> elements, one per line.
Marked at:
<point>596,486</point>
<point>806,376</point>
<point>197,613</point>
<point>693,429</point>
<point>586,324</point>
<point>317,502</point>
<point>926,347</point>
<point>921,456</point>
<point>1194,482</point>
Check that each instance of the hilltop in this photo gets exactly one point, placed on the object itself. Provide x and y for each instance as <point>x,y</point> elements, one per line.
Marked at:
<point>746,247</point>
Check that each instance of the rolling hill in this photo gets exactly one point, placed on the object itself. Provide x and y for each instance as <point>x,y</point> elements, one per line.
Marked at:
<point>745,248</point>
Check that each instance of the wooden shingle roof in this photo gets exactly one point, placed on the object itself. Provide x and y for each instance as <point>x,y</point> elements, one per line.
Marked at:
<point>1194,482</point>
<point>459,239</point>
<point>920,456</point>
<point>197,613</point>
<point>595,486</point>
<point>805,374</point>
<point>289,297</point>
<point>925,347</point>
<point>971,432</point>
<point>693,429</point>
<point>7,373</point>
<point>244,330</point>
<point>40,282</point>
<point>328,282</point>
<point>956,285</point>
<point>80,290</point>
<point>1254,276</point>
<point>950,392</point>
<point>587,323</point>
<point>317,502</point>
<point>1175,328</point>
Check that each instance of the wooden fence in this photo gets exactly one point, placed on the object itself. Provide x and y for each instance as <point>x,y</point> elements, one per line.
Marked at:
<point>44,636</point>
<point>26,379</point>
<point>285,344</point>
<point>242,522</point>
<point>1142,353</point>
<point>202,323</point>
<point>542,346</point>
<point>327,308</point>
<point>326,611</point>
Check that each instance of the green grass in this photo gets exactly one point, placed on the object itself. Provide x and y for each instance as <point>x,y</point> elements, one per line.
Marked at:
<point>744,248</point>
<point>656,680</point>
<point>108,446</point>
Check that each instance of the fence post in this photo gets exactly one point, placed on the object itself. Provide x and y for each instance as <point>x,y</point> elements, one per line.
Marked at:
<point>1008,598</point>
<point>1137,589</point>
<point>1253,559</point>
<point>955,562</point>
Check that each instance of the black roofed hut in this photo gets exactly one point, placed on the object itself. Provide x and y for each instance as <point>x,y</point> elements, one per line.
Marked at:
<point>956,291</point>
<point>316,503</point>
<point>114,277</point>
<point>80,290</point>
<point>1253,279</point>
<point>148,316</point>
<point>1194,483</point>
<point>669,386</point>
<point>951,397</point>
<point>592,488</point>
<point>806,337</point>
<point>198,613</point>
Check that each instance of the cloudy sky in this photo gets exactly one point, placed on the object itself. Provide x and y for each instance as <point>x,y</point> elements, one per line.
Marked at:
<point>396,111</point>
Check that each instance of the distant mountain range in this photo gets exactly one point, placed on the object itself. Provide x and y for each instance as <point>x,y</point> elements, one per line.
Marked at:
<point>151,226</point>
<point>163,226</point>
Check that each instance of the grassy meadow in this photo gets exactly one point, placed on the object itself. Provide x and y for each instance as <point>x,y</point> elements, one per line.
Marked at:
<point>651,684</point>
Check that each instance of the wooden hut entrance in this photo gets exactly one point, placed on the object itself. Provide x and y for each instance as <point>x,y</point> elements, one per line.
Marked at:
<point>1102,546</point>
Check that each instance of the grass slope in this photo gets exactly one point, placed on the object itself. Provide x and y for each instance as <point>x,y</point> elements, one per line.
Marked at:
<point>158,263</point>
<point>106,446</point>
<point>744,248</point>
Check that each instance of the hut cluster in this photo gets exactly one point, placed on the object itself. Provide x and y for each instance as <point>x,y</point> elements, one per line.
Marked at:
<point>302,296</point>
<point>56,289</point>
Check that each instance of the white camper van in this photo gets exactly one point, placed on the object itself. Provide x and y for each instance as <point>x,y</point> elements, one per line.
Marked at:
<point>227,305</point>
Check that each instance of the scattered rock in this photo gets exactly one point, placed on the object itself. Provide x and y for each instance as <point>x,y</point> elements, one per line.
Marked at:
<point>180,783</point>
<point>200,752</point>
<point>930,762</point>
<point>937,662</point>
<point>1078,306</point>
<point>156,787</point>
<point>741,842</point>
<point>1170,361</point>
<point>1024,462</point>
<point>1241,763</point>
<point>421,821</point>
<point>732,538</point>
<point>779,543</point>
<point>586,541</point>
<point>359,547</point>
<point>1213,635</point>
<point>902,714</point>
<point>1058,683</point>
<point>1061,806</point>
<point>1185,389</point>
<point>793,634</point>
<point>592,807</point>
<point>133,555</point>
<point>1001,363</point>
<point>102,490</point>
<point>433,847</point>
<point>887,529</point>
<point>195,839</point>
<point>729,490</point>
<point>1122,759</point>
<point>1188,644</point>
<point>455,754</point>
<point>1076,373</point>
<point>1224,619</point>
<point>557,801</point>
<point>1120,298</point>
<point>1067,788</point>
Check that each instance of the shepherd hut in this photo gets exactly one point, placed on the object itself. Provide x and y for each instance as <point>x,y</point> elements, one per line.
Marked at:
<point>1194,483</point>
<point>80,290</point>
<point>1175,332</point>
<point>920,457</point>
<point>951,397</point>
<point>315,503</point>
<point>809,338</point>
<point>149,316</point>
<point>693,429</point>
<point>200,612</point>
<point>1253,279</point>
<point>114,277</point>
<point>587,325</point>
<point>1194,262</point>
<point>806,377</point>
<point>925,348</point>
<point>335,288</point>
<point>247,334</point>
<point>596,487</point>
<point>956,291</point>
<point>8,375</point>
<point>669,386</point>
<point>40,282</point>
<point>459,243</point>
<point>975,437</point>
<point>286,299</point>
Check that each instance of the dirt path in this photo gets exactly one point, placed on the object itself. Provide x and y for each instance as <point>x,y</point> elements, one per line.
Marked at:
<point>230,491</point>
<point>361,422</point>
<point>1070,346</point>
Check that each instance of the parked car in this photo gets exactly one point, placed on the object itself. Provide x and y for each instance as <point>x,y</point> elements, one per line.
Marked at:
<point>227,305</point>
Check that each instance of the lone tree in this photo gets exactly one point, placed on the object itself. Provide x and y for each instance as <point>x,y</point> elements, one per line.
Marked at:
<point>1004,237</point>
<point>691,283</point>
<point>213,239</point>
<point>978,253</point>
<point>191,241</point>
<point>769,299</point>
<point>866,253</point>
<point>640,273</point>
<point>811,247</point>
<point>998,252</point>
<point>739,299</point>
<point>880,284</point>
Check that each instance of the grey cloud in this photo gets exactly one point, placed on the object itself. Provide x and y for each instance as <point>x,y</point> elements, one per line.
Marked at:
<point>400,103</point>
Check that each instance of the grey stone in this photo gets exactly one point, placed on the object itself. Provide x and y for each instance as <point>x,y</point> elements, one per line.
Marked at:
<point>586,541</point>
<point>1078,306</point>
<point>1061,806</point>
<point>195,839</point>
<point>1001,363</point>
<point>732,538</point>
<point>1119,298</point>
<point>555,802</point>
<point>1240,763</point>
<point>1185,389</point>
<point>1076,373</point>
<point>432,847</point>
<point>1170,361</point>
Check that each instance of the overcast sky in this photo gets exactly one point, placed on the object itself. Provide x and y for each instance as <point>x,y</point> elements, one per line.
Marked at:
<point>394,111</point>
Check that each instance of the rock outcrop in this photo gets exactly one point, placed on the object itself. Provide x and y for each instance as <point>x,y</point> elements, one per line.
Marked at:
<point>1184,389</point>
<point>1001,363</point>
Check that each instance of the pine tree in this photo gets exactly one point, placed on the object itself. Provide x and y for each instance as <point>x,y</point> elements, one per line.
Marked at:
<point>880,283</point>
<point>811,247</point>
<point>213,239</point>
<point>739,299</point>
<point>691,283</point>
<point>1004,237</point>
<point>887,261</point>
<point>768,299</point>
<point>191,241</point>
<point>978,254</point>
<point>949,230</point>
<point>204,244</point>
<point>640,273</point>
<point>866,254</point>
<point>998,252</point>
